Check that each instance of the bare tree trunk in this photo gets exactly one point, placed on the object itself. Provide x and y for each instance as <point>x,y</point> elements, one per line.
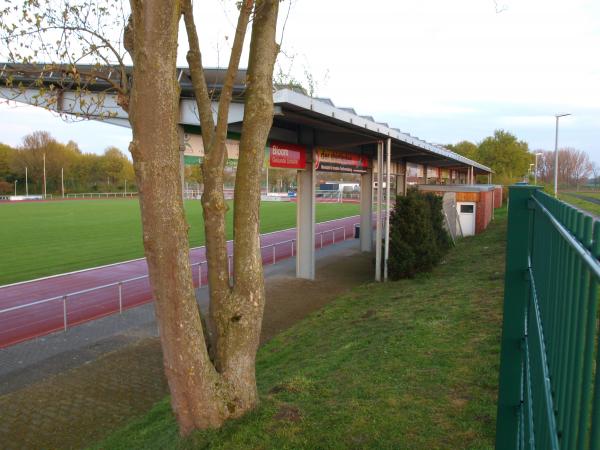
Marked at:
<point>196,388</point>
<point>214,206</point>
<point>203,395</point>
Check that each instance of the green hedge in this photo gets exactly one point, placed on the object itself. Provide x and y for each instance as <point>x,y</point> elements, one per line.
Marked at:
<point>418,239</point>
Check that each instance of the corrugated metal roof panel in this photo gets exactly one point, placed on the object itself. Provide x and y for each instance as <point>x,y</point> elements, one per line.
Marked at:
<point>308,103</point>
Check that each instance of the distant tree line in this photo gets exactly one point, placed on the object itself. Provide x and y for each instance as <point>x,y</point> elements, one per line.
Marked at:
<point>83,172</point>
<point>511,160</point>
<point>574,167</point>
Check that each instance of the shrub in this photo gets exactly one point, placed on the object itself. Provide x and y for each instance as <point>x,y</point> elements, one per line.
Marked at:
<point>436,204</point>
<point>418,238</point>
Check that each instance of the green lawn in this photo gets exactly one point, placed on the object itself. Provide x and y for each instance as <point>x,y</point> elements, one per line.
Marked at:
<point>580,203</point>
<point>594,194</point>
<point>408,364</point>
<point>39,239</point>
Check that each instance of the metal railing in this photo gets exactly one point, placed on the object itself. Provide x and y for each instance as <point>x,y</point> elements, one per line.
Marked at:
<point>102,195</point>
<point>549,396</point>
<point>65,310</point>
<point>336,196</point>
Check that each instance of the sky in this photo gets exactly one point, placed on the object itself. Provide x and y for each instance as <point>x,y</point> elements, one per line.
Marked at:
<point>443,71</point>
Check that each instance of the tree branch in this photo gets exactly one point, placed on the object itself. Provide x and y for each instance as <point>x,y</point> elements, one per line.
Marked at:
<point>232,69</point>
<point>194,59</point>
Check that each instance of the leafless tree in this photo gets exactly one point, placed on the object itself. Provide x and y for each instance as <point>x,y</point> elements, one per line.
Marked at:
<point>595,169</point>
<point>574,166</point>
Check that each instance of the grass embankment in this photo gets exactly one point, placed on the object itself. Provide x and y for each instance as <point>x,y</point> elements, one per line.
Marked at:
<point>580,203</point>
<point>47,238</point>
<point>408,364</point>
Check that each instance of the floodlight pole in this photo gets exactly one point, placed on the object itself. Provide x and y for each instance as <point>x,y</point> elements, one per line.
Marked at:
<point>44,162</point>
<point>267,179</point>
<point>62,181</point>
<point>558,116</point>
<point>26,184</point>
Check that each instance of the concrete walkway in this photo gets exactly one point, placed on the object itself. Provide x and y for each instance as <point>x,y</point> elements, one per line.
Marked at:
<point>68,390</point>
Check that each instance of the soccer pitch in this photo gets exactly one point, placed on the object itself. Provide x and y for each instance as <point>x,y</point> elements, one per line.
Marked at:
<point>47,238</point>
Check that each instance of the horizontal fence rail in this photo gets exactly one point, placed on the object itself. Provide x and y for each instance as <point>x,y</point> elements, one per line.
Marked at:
<point>102,195</point>
<point>549,396</point>
<point>63,311</point>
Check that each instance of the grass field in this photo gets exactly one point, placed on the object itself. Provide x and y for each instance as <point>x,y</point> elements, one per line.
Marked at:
<point>592,208</point>
<point>47,238</point>
<point>408,364</point>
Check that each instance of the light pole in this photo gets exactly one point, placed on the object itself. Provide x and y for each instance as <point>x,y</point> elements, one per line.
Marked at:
<point>44,160</point>
<point>558,116</point>
<point>536,167</point>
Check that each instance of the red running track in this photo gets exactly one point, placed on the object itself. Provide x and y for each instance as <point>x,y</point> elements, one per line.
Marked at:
<point>57,302</point>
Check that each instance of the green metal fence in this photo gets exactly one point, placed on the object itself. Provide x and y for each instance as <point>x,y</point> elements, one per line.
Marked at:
<point>549,394</point>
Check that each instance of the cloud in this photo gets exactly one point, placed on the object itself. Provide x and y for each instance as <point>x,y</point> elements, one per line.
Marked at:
<point>444,71</point>
<point>19,120</point>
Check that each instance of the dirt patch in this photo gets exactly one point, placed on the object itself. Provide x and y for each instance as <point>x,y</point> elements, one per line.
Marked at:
<point>368,314</point>
<point>79,406</point>
<point>290,299</point>
<point>288,413</point>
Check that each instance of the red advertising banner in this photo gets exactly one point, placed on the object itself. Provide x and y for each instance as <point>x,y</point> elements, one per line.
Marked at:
<point>287,156</point>
<point>337,161</point>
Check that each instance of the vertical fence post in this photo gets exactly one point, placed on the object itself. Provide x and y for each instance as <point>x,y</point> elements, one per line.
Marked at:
<point>321,240</point>
<point>292,247</point>
<point>229,264</point>
<point>200,275</point>
<point>120,297</point>
<point>273,254</point>
<point>65,312</point>
<point>516,292</point>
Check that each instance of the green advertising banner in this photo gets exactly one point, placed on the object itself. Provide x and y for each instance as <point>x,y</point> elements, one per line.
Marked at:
<point>194,152</point>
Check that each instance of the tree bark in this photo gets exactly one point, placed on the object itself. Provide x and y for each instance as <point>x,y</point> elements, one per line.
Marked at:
<point>199,398</point>
<point>243,314</point>
<point>203,394</point>
<point>214,206</point>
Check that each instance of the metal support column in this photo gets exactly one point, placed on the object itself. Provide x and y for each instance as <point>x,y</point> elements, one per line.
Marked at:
<point>516,297</point>
<point>366,211</point>
<point>305,221</point>
<point>378,231</point>
<point>181,134</point>
<point>387,208</point>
